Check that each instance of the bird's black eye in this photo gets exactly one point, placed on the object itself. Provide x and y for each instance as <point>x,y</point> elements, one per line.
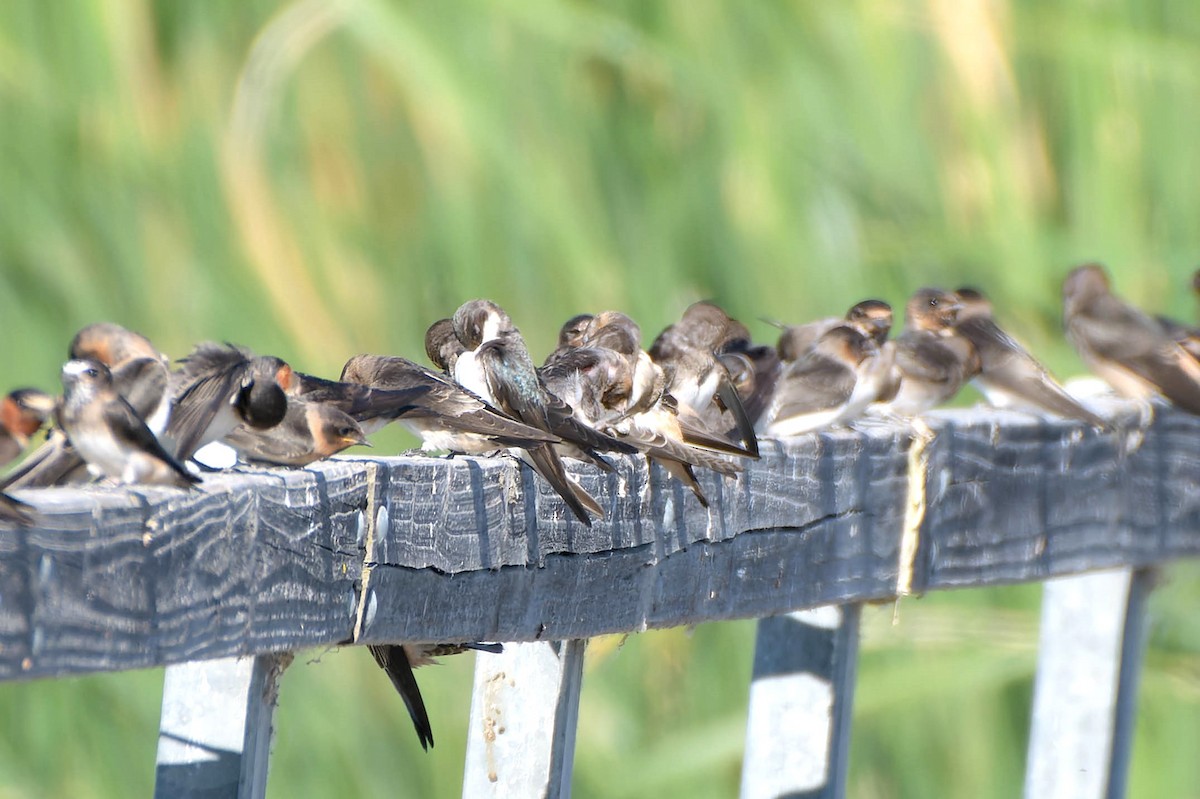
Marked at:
<point>346,432</point>
<point>933,302</point>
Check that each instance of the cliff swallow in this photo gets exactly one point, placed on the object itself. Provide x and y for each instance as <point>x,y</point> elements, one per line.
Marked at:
<point>22,414</point>
<point>447,417</point>
<point>823,387</point>
<point>309,432</point>
<point>220,387</point>
<point>398,662</point>
<point>109,434</point>
<point>932,360</point>
<point>687,352</point>
<point>1124,346</point>
<point>495,365</point>
<point>1009,376</point>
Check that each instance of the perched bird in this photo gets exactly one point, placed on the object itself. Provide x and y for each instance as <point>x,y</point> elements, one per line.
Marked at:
<point>495,365</point>
<point>872,318</point>
<point>688,353</point>
<point>220,387</point>
<point>109,434</point>
<point>447,417</point>
<point>310,431</point>
<point>22,414</point>
<point>1128,349</point>
<point>398,662</point>
<point>571,334</point>
<point>372,408</point>
<point>827,385</point>
<point>932,360</point>
<point>1008,375</point>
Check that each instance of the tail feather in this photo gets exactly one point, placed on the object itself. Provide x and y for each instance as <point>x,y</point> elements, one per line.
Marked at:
<point>394,661</point>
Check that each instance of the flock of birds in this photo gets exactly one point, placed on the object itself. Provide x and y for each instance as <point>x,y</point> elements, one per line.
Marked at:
<point>699,397</point>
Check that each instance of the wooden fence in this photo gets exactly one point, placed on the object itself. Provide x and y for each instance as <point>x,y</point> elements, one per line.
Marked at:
<point>222,584</point>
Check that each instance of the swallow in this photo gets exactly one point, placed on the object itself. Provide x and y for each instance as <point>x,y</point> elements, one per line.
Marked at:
<point>1009,376</point>
<point>933,362</point>
<point>598,383</point>
<point>571,334</point>
<point>447,417</point>
<point>1126,348</point>
<point>108,433</point>
<point>310,431</point>
<point>398,662</point>
<point>220,387</point>
<point>827,385</point>
<point>872,318</point>
<point>140,374</point>
<point>22,414</point>
<point>495,365</point>
<point>687,352</point>
<point>442,346</point>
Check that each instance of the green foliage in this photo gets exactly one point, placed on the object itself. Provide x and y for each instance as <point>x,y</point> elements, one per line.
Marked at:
<point>317,179</point>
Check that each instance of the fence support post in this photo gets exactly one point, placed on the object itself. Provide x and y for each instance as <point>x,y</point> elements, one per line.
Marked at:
<point>798,731</point>
<point>524,710</point>
<point>1085,697</point>
<point>214,737</point>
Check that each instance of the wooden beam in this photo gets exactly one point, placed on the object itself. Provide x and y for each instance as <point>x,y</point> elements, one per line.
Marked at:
<point>214,739</point>
<point>426,549</point>
<point>798,730</point>
<point>524,711</point>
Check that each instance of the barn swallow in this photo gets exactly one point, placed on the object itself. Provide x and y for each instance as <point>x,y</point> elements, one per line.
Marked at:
<point>826,386</point>
<point>1124,346</point>
<point>108,433</point>
<point>22,414</point>
<point>1009,375</point>
<point>687,352</point>
<point>495,365</point>
<point>932,360</point>
<point>220,387</point>
<point>309,432</point>
<point>447,417</point>
<point>372,408</point>
<point>398,662</point>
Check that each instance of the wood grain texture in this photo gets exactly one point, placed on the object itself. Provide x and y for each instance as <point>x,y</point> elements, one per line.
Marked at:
<point>453,549</point>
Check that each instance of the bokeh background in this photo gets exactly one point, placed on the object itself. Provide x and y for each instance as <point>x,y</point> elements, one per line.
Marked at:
<point>316,179</point>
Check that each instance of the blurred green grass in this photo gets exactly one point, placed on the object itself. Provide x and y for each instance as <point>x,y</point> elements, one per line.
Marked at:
<point>318,179</point>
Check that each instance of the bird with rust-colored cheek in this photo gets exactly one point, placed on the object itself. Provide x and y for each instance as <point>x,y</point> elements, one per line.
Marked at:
<point>220,387</point>
<point>310,431</point>
<point>22,414</point>
<point>932,360</point>
<point>109,434</point>
<point>447,417</point>
<point>1126,348</point>
<point>495,365</point>
<point>832,383</point>
<point>1009,376</point>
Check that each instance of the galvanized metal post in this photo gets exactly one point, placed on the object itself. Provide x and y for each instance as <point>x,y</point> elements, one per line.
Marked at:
<point>523,717</point>
<point>798,731</point>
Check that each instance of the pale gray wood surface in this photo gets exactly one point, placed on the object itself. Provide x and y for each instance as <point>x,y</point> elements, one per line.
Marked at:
<point>801,695</point>
<point>454,549</point>
<point>524,712</point>
<point>1089,656</point>
<point>215,734</point>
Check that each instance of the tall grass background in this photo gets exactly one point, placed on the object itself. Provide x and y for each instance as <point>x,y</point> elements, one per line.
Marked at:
<point>315,179</point>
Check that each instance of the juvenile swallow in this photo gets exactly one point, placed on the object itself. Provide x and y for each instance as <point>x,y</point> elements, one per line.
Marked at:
<point>932,360</point>
<point>495,365</point>
<point>22,414</point>
<point>1009,376</point>
<point>872,318</point>
<point>398,662</point>
<point>687,352</point>
<point>309,432</point>
<point>1124,346</point>
<point>220,387</point>
<point>828,385</point>
<point>372,408</point>
<point>571,334</point>
<point>442,346</point>
<point>447,417</point>
<point>109,434</point>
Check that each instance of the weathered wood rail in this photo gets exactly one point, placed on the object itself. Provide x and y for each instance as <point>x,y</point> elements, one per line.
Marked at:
<point>424,549</point>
